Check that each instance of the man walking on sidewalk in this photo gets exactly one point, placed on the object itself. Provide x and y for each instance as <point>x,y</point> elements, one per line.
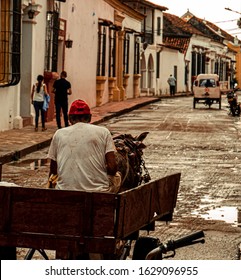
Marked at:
<point>172,83</point>
<point>61,89</point>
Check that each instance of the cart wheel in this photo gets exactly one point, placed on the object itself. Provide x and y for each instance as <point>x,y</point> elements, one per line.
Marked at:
<point>220,103</point>
<point>194,103</point>
<point>144,245</point>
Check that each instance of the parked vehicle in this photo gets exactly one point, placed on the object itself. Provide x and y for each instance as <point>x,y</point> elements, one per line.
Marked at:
<point>206,90</point>
<point>234,105</point>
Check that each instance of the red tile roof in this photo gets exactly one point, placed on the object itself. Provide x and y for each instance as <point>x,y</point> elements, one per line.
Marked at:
<point>177,33</point>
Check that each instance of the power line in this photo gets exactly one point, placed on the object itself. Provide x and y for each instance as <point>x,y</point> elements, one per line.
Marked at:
<point>232,29</point>
<point>226,21</point>
<point>233,33</point>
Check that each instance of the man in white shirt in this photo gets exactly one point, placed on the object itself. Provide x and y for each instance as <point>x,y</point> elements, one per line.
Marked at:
<point>172,83</point>
<point>83,154</point>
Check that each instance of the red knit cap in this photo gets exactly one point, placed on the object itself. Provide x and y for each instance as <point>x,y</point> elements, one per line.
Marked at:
<point>79,107</point>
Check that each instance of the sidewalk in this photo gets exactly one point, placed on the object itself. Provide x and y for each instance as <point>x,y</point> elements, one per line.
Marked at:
<point>17,143</point>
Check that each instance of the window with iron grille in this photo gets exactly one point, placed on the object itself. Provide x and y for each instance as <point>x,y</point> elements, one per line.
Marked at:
<point>112,52</point>
<point>158,65</point>
<point>137,55</point>
<point>216,67</point>
<point>158,26</point>
<point>52,33</point>
<point>221,70</point>
<point>199,64</point>
<point>203,57</point>
<point>10,42</point>
<point>194,63</point>
<point>101,56</point>
<point>126,53</point>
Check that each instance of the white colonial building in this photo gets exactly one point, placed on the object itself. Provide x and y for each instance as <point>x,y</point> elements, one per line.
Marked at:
<point>111,49</point>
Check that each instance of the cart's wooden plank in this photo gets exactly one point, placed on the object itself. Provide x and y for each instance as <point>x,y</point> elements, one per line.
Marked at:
<point>147,203</point>
<point>135,206</point>
<point>164,196</point>
<point>104,207</point>
<point>57,212</point>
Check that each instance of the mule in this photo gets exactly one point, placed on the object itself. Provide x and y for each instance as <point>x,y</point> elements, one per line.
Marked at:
<point>130,160</point>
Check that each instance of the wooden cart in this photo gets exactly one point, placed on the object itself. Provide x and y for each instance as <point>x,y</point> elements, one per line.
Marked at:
<point>73,222</point>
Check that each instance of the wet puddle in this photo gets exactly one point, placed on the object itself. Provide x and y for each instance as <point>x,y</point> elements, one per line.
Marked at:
<point>231,215</point>
<point>33,164</point>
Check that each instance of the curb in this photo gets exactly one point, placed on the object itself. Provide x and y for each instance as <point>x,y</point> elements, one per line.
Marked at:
<point>16,155</point>
<point>126,110</point>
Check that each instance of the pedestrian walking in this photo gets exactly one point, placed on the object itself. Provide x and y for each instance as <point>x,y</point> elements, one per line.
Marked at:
<point>172,83</point>
<point>38,96</point>
<point>61,89</point>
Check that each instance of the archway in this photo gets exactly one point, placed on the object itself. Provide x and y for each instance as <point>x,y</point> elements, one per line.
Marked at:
<point>143,74</point>
<point>150,74</point>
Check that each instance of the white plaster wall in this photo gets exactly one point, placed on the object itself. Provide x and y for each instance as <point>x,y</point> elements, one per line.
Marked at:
<point>39,37</point>
<point>80,60</point>
<point>158,38</point>
<point>35,56</point>
<point>168,59</point>
<point>10,97</point>
<point>150,51</point>
<point>132,24</point>
<point>82,28</point>
<point>9,100</point>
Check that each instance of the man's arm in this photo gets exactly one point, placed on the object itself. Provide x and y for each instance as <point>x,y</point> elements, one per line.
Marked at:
<point>69,91</point>
<point>54,87</point>
<point>111,163</point>
<point>53,167</point>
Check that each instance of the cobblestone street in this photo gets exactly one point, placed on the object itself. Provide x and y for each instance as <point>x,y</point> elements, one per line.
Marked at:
<point>204,145</point>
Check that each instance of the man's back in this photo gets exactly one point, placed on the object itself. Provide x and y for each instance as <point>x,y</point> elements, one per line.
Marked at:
<point>61,87</point>
<point>171,81</point>
<point>81,162</point>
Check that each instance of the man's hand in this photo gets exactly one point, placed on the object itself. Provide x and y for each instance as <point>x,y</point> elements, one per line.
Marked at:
<point>53,168</point>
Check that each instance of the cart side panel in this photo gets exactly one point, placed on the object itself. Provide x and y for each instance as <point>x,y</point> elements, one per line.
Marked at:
<point>4,208</point>
<point>164,196</point>
<point>46,211</point>
<point>147,203</point>
<point>103,213</point>
<point>29,214</point>
<point>134,209</point>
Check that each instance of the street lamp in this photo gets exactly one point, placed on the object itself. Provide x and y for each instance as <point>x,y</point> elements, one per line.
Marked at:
<point>68,43</point>
<point>31,14</point>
